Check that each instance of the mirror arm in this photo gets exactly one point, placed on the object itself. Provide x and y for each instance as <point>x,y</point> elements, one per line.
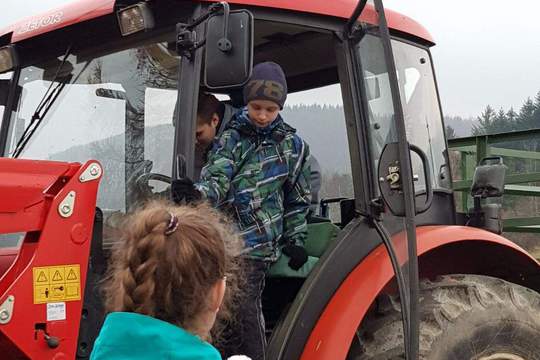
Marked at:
<point>186,41</point>
<point>350,27</point>
<point>212,9</point>
<point>224,44</point>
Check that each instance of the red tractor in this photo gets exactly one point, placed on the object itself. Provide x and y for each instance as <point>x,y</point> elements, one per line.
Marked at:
<point>394,271</point>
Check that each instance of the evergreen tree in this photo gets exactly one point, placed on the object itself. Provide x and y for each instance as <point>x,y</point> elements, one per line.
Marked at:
<point>485,122</point>
<point>536,112</point>
<point>525,119</point>
<point>501,123</point>
<point>511,116</point>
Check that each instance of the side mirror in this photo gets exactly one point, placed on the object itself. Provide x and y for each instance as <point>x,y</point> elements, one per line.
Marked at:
<point>229,49</point>
<point>488,180</point>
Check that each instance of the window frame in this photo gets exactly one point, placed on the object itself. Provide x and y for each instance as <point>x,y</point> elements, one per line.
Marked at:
<point>8,109</point>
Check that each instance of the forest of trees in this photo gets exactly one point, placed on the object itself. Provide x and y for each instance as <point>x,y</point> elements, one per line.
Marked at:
<point>492,121</point>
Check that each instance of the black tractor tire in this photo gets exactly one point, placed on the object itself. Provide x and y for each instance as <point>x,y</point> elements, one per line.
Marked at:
<point>462,317</point>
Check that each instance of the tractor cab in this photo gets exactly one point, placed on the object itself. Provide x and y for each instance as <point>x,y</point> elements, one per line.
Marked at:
<point>121,87</point>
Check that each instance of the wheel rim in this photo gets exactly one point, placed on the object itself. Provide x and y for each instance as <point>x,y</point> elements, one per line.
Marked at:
<point>501,356</point>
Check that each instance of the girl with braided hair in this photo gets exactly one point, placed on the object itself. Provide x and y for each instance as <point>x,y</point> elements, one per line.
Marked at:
<point>167,284</point>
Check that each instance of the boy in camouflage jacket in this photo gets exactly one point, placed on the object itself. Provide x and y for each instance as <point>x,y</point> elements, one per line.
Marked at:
<point>258,171</point>
<point>261,175</point>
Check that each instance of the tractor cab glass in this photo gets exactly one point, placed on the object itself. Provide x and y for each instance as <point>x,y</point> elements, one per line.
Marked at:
<point>116,108</point>
<point>420,106</point>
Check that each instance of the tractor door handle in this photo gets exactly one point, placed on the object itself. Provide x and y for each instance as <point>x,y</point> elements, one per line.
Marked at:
<point>427,175</point>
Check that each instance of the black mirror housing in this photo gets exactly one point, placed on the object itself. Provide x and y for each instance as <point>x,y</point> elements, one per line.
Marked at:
<point>228,59</point>
<point>489,176</point>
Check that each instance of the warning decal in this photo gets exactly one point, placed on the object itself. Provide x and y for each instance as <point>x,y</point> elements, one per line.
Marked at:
<point>57,283</point>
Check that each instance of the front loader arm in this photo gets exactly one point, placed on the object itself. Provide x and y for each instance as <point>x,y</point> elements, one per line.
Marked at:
<point>51,205</point>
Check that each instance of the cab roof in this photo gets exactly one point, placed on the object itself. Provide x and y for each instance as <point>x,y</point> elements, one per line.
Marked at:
<point>83,10</point>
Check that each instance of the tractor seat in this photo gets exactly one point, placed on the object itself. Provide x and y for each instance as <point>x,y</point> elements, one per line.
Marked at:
<point>320,236</point>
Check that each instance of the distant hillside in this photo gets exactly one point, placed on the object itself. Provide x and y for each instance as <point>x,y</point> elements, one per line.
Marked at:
<point>110,152</point>
<point>323,128</point>
<point>462,126</point>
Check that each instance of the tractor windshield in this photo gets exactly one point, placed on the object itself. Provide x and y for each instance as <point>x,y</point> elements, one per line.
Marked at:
<point>116,108</point>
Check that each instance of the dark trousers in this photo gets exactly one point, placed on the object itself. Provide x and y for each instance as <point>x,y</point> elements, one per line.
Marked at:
<point>246,334</point>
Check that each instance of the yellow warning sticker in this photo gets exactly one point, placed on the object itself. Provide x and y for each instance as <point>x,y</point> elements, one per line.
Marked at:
<point>57,283</point>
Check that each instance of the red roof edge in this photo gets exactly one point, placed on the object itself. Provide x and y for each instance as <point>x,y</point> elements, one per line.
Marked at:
<point>83,10</point>
<point>57,18</point>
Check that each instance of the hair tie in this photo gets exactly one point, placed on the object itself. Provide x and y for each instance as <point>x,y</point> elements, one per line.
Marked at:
<point>173,224</point>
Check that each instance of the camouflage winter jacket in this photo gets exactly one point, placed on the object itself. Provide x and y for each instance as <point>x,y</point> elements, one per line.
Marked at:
<point>261,177</point>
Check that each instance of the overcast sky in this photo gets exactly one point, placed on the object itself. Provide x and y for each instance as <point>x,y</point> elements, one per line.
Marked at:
<point>487,52</point>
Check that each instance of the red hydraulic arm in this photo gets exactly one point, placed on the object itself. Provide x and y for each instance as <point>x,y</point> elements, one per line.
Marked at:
<point>51,205</point>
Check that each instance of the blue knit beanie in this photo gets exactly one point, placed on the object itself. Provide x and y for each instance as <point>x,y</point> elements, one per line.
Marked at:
<point>267,82</point>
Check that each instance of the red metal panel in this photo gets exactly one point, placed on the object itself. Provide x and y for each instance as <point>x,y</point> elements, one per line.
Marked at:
<point>51,240</point>
<point>57,18</point>
<point>83,10</point>
<point>22,186</point>
<point>333,333</point>
<point>7,256</point>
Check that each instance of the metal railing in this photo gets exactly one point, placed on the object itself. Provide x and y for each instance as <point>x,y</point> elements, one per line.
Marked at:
<point>473,148</point>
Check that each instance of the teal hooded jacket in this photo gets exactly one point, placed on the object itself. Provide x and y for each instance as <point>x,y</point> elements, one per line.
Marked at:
<point>136,337</point>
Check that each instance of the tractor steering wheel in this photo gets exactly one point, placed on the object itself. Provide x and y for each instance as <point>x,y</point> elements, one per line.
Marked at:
<point>138,185</point>
<point>145,190</point>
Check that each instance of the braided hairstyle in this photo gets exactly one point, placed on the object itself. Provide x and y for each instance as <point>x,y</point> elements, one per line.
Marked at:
<point>170,276</point>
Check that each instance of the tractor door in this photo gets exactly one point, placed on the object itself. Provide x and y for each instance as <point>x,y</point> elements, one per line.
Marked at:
<point>394,201</point>
<point>386,200</point>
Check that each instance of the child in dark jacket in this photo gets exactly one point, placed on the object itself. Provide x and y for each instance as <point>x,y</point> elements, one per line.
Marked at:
<point>167,283</point>
<point>258,172</point>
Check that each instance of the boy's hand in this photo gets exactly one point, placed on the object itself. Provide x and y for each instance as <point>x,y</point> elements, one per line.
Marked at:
<point>183,189</point>
<point>297,254</point>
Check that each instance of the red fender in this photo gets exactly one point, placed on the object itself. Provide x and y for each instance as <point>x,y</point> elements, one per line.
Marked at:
<point>332,335</point>
<point>57,240</point>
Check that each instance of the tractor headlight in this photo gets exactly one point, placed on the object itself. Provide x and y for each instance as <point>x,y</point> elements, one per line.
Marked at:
<point>8,58</point>
<point>135,18</point>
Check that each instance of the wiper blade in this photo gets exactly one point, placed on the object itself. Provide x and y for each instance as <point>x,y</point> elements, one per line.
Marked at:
<point>44,105</point>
